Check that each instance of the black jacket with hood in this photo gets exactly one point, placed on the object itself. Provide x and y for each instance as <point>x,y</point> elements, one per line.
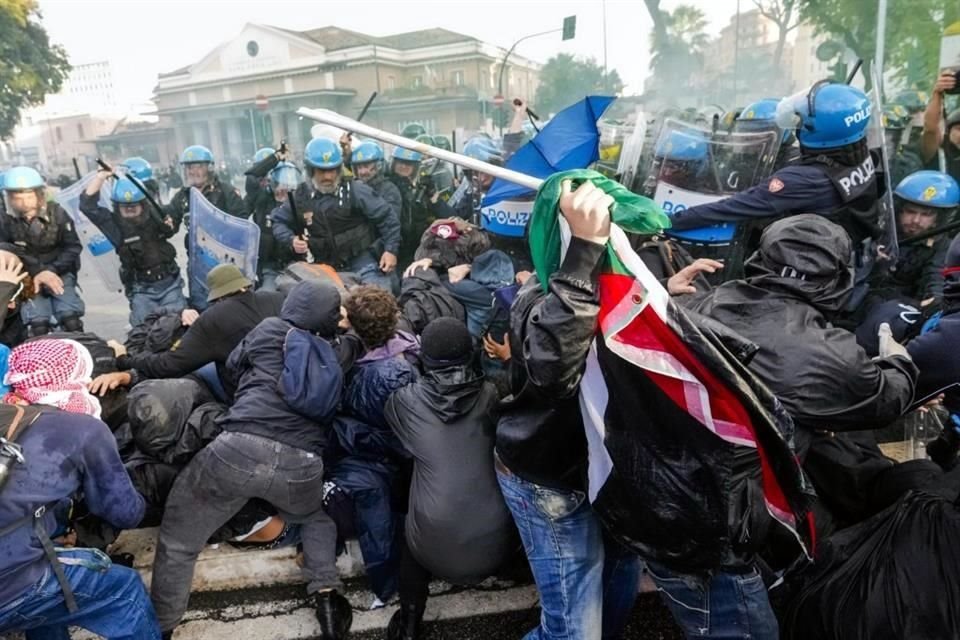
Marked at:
<point>256,365</point>
<point>457,526</point>
<point>800,277</point>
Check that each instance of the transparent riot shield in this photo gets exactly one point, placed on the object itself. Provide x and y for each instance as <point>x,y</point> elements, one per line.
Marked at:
<point>96,248</point>
<point>693,166</point>
<point>218,238</point>
<point>887,250</point>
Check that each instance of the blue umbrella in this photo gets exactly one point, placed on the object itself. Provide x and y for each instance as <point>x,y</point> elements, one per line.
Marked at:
<point>569,141</point>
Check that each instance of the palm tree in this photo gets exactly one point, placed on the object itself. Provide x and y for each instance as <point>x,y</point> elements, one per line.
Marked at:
<point>678,48</point>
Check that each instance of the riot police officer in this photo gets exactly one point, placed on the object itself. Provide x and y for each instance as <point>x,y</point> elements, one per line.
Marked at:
<point>835,175</point>
<point>760,116</point>
<point>199,172</point>
<point>924,200</point>
<point>148,261</point>
<point>415,217</point>
<point>340,222</point>
<point>900,160</point>
<point>367,163</point>
<point>260,201</point>
<point>43,236</point>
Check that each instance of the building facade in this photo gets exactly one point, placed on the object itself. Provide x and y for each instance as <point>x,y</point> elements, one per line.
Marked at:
<point>245,93</point>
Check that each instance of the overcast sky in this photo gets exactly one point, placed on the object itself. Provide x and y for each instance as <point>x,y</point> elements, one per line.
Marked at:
<point>142,38</point>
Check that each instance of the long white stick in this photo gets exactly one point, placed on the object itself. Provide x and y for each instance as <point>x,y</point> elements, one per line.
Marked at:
<point>332,118</point>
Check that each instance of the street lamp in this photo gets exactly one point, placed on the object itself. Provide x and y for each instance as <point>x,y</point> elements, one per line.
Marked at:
<point>569,30</point>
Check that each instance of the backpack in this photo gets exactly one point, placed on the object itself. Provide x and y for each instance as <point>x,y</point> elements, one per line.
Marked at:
<point>15,419</point>
<point>104,359</point>
<point>312,381</point>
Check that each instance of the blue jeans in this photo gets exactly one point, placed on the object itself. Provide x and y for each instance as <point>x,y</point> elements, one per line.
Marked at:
<point>268,279</point>
<point>145,298</point>
<point>723,606</point>
<point>367,268</point>
<point>112,602</point>
<point>46,307</point>
<point>587,584</point>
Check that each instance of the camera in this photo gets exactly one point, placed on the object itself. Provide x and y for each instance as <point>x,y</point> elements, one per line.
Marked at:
<point>956,88</point>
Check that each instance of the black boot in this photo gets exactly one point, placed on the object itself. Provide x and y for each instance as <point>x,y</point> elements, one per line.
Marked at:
<point>38,328</point>
<point>406,623</point>
<point>334,614</point>
<point>72,324</point>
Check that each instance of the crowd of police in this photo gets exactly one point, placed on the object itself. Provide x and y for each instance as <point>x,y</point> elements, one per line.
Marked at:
<point>394,373</point>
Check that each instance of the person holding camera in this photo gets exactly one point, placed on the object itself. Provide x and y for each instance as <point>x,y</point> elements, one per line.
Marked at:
<point>948,139</point>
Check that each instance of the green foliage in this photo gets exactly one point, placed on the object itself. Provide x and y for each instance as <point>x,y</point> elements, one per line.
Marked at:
<point>565,79</point>
<point>913,31</point>
<point>30,67</point>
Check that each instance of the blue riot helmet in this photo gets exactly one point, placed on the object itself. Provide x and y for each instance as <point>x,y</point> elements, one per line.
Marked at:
<point>138,168</point>
<point>682,146</point>
<point>407,155</point>
<point>760,115</point>
<point>484,149</point>
<point>22,179</point>
<point>930,189</point>
<point>366,160</point>
<point>263,154</point>
<point>406,163</point>
<point>827,116</point>
<point>197,163</point>
<point>283,178</point>
<point>125,192</point>
<point>322,153</point>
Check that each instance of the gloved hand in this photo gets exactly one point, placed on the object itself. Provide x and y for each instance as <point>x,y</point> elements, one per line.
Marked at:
<point>888,346</point>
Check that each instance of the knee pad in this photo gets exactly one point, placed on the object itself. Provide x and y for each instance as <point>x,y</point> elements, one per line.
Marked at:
<point>38,328</point>
<point>72,324</point>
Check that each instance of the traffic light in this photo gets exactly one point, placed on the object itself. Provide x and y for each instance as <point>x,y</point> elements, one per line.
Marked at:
<point>569,27</point>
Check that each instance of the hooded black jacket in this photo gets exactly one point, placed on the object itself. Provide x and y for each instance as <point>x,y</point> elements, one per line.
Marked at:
<point>458,526</point>
<point>256,365</point>
<point>799,277</point>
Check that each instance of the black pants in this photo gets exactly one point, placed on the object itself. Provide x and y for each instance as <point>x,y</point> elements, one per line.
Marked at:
<point>414,581</point>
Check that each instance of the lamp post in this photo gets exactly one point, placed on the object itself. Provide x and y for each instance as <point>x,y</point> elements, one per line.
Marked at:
<point>569,31</point>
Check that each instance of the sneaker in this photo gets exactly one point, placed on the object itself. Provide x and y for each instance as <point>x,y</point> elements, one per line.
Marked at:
<point>334,614</point>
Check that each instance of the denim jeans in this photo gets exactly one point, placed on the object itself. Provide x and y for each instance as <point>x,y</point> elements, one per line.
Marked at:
<point>111,601</point>
<point>722,606</point>
<point>214,486</point>
<point>587,584</point>
<point>46,307</point>
<point>145,298</point>
<point>268,279</point>
<point>367,268</point>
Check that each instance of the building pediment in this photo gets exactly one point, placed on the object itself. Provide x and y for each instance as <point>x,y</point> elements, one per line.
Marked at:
<point>256,50</point>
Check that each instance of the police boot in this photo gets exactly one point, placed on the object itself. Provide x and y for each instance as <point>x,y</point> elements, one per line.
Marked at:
<point>38,328</point>
<point>406,623</point>
<point>72,324</point>
<point>334,614</point>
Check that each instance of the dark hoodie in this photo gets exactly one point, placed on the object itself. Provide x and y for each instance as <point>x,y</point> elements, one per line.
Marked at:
<point>935,352</point>
<point>801,276</point>
<point>458,526</point>
<point>256,365</point>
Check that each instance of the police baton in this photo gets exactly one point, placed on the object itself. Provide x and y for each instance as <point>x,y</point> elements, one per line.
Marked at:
<point>155,212</point>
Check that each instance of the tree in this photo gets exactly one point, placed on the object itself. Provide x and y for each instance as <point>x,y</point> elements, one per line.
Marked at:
<point>565,79</point>
<point>782,13</point>
<point>30,67</point>
<point>677,45</point>
<point>912,34</point>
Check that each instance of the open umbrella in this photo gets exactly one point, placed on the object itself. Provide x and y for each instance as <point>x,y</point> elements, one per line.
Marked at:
<point>569,141</point>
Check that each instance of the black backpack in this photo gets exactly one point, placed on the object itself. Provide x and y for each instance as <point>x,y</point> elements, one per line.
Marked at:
<point>104,359</point>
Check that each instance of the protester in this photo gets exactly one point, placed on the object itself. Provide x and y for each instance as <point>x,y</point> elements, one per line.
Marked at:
<point>66,451</point>
<point>148,261</point>
<point>457,527</point>
<point>939,133</point>
<point>42,235</point>
<point>282,426</point>
<point>234,310</point>
<point>339,222</point>
<point>367,459</point>
<point>13,284</point>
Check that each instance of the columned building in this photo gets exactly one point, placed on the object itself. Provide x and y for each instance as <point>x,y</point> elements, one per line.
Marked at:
<point>244,94</point>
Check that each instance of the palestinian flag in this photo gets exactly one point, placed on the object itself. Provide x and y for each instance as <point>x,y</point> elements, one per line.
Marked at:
<point>689,461</point>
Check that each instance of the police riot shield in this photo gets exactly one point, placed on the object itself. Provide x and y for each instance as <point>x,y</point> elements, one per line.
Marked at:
<point>218,238</point>
<point>888,250</point>
<point>97,250</point>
